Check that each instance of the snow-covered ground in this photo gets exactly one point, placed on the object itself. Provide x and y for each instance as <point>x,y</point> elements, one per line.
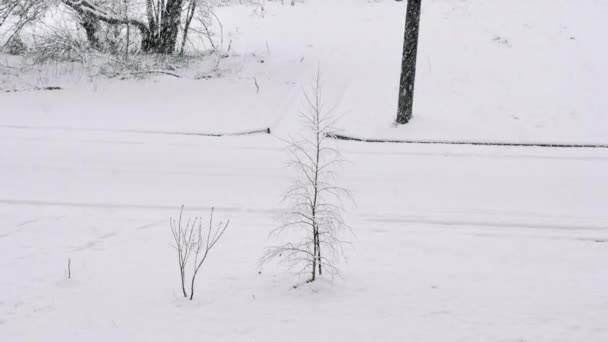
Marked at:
<point>449,243</point>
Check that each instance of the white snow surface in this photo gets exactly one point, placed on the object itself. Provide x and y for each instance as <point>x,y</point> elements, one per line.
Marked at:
<point>449,243</point>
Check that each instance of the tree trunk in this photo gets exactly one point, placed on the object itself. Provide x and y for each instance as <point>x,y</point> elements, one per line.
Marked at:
<point>192,286</point>
<point>189,16</point>
<point>408,64</point>
<point>150,41</point>
<point>91,27</point>
<point>128,30</point>
<point>318,256</point>
<point>170,26</point>
<point>314,260</point>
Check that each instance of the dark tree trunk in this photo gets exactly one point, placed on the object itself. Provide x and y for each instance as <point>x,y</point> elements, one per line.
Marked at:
<point>408,64</point>
<point>149,41</point>
<point>170,26</point>
<point>319,253</point>
<point>91,27</point>
<point>314,261</point>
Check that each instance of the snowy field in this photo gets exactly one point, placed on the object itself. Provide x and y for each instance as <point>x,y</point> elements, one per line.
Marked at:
<point>449,243</point>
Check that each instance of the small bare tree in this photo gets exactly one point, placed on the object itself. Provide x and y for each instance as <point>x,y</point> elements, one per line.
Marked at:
<point>204,27</point>
<point>191,239</point>
<point>314,218</point>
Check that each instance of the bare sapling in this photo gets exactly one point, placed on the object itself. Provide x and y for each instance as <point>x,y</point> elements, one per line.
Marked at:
<point>192,241</point>
<point>313,221</point>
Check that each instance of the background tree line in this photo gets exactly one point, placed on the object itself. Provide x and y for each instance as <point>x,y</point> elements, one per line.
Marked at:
<point>156,26</point>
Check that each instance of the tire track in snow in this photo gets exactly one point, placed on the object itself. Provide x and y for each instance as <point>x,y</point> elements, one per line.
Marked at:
<point>490,222</point>
<point>101,205</point>
<point>22,226</point>
<point>136,131</point>
<point>430,220</point>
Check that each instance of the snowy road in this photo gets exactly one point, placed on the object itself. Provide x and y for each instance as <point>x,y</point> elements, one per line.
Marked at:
<point>511,187</point>
<point>450,243</point>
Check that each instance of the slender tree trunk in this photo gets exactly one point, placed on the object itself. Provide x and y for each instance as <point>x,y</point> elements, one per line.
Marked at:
<point>189,16</point>
<point>317,165</point>
<point>319,252</point>
<point>128,30</point>
<point>192,286</point>
<point>150,9</point>
<point>316,238</point>
<point>408,64</point>
<point>183,276</point>
<point>314,259</point>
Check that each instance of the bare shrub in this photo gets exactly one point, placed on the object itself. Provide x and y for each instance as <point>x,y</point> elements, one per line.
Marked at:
<point>15,46</point>
<point>61,44</point>
<point>313,221</point>
<point>192,241</point>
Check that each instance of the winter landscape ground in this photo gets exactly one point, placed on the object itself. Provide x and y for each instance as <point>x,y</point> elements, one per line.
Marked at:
<point>448,243</point>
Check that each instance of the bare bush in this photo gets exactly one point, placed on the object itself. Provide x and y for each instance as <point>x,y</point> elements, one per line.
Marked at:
<point>313,220</point>
<point>60,44</point>
<point>15,46</point>
<point>192,241</point>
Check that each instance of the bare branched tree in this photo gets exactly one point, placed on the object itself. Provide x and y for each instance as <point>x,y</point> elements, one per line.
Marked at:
<point>192,240</point>
<point>159,22</point>
<point>314,218</point>
<point>205,24</point>
<point>15,14</point>
<point>158,32</point>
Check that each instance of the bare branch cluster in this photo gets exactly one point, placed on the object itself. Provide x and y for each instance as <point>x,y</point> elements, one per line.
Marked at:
<point>16,14</point>
<point>314,217</point>
<point>60,44</point>
<point>193,244</point>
